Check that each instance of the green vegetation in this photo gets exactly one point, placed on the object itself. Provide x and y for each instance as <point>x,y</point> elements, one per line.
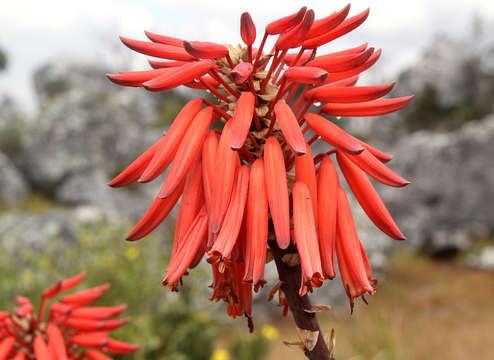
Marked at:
<point>183,326</point>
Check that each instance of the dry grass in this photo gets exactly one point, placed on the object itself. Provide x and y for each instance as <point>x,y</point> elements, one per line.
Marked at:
<point>424,310</point>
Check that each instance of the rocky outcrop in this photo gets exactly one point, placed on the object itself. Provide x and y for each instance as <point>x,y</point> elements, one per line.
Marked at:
<point>12,185</point>
<point>84,124</point>
<point>87,131</point>
<point>451,196</point>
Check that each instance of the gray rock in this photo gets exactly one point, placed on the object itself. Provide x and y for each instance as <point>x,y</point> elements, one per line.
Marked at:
<point>452,194</point>
<point>87,131</point>
<point>85,124</point>
<point>19,229</point>
<point>12,186</point>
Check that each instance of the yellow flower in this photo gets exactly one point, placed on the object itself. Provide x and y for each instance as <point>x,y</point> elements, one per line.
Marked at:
<point>27,277</point>
<point>269,332</point>
<point>220,354</point>
<point>132,253</point>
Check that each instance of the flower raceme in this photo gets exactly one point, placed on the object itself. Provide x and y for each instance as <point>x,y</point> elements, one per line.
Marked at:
<point>252,181</point>
<point>68,329</point>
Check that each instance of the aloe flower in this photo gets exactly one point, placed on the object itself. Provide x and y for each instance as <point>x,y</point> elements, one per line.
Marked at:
<point>68,329</point>
<point>251,188</point>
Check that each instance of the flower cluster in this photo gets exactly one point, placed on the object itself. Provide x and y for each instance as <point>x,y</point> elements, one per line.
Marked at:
<point>252,181</point>
<point>63,330</point>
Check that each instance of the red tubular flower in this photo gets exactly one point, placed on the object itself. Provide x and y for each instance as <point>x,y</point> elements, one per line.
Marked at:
<point>281,25</point>
<point>241,72</point>
<point>304,230</point>
<point>205,50</point>
<point>339,63</point>
<point>247,29</point>
<point>289,126</point>
<point>295,36</point>
<point>327,195</point>
<point>246,173</point>
<point>187,151</point>
<point>256,226</point>
<point>305,172</point>
<point>368,198</point>
<point>242,118</point>
<point>306,74</point>
<point>171,78</point>
<point>64,330</point>
<point>343,28</point>
<point>333,135</point>
<point>328,93</point>
<point>228,235</point>
<point>192,202</point>
<point>351,258</point>
<point>324,25</point>
<point>162,39</point>
<point>158,50</point>
<point>224,179</point>
<point>277,191</point>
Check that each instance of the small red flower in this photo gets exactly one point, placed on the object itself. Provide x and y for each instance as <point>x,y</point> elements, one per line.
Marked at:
<point>252,181</point>
<point>66,329</point>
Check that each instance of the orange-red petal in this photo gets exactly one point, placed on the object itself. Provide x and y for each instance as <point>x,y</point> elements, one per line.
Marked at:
<point>242,119</point>
<point>205,49</point>
<point>277,191</point>
<point>155,214</point>
<point>368,198</point>
<point>367,108</point>
<point>296,35</point>
<point>158,50</point>
<point>332,63</point>
<point>6,346</point>
<point>348,249</point>
<point>187,250</point>
<point>241,72</point>
<point>247,29</point>
<point>281,25</point>
<point>327,200</point>
<point>333,135</point>
<point>305,234</point>
<point>290,127</point>
<point>346,94</point>
<point>95,355</point>
<point>305,171</point>
<point>165,152</point>
<point>256,226</point>
<point>306,74</point>
<point>230,229</point>
<point>179,76</point>
<point>377,170</point>
<point>63,285</point>
<point>187,151</point>
<point>343,28</point>
<point>163,39</point>
<point>227,161</point>
<point>56,342</point>
<point>41,350</point>
<point>328,23</point>
<point>191,202</point>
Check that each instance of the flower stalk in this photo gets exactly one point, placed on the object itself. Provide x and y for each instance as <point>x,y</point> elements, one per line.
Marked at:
<point>298,305</point>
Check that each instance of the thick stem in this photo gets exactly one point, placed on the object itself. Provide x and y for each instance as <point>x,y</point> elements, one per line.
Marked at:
<point>291,277</point>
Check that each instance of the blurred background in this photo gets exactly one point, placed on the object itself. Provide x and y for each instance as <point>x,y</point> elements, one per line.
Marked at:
<point>65,131</point>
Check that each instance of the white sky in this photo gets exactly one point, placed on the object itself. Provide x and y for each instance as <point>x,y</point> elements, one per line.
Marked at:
<point>34,32</point>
